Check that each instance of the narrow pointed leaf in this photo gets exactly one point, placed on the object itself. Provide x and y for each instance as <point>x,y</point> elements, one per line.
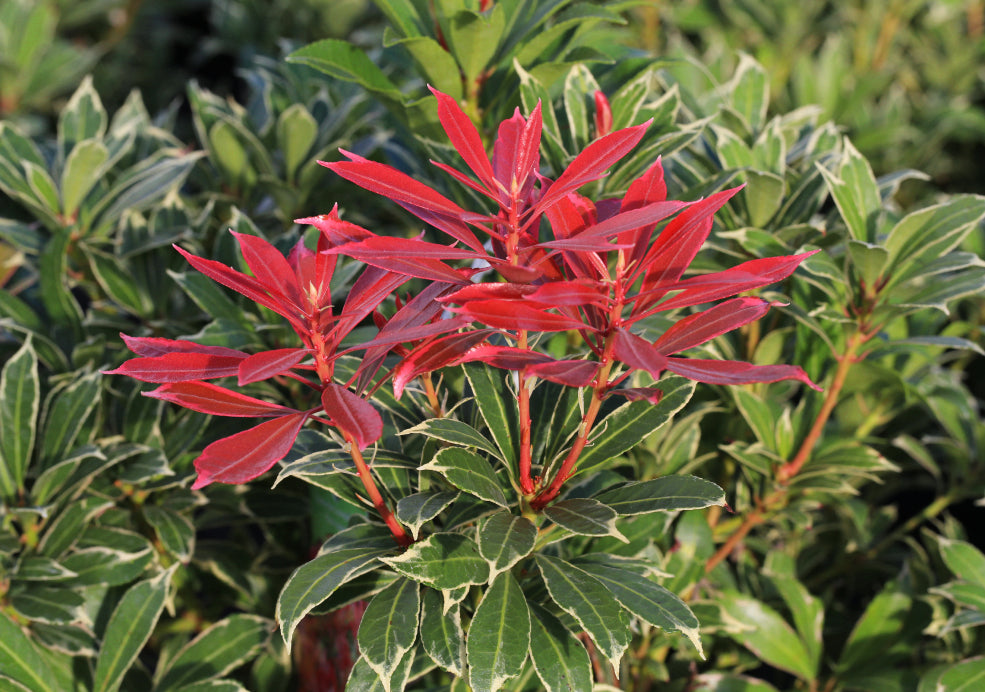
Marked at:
<point>314,581</point>
<point>244,456</point>
<point>20,400</point>
<point>469,473</point>
<point>150,347</point>
<point>767,634</point>
<point>217,650</point>
<point>129,628</point>
<point>388,628</point>
<point>505,539</point>
<point>262,366</point>
<point>499,635</point>
<point>736,372</point>
<point>443,561</point>
<point>436,354</point>
<point>589,602</point>
<point>703,326</point>
<point>415,510</point>
<point>465,138</point>
<point>179,367</point>
<point>20,659</point>
<point>492,395</point>
<point>206,397</point>
<point>455,432</point>
<point>441,633</point>
<point>352,414</point>
<point>560,660</point>
<point>269,266</point>
<point>506,314</point>
<point>670,493</point>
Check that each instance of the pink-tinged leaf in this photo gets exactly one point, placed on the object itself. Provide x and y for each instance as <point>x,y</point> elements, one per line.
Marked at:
<point>592,163</point>
<point>735,372</point>
<point>506,357</point>
<point>505,148</point>
<point>465,138</point>
<point>384,247</point>
<point>650,394</point>
<point>244,456</point>
<point>647,189</point>
<point>179,367</point>
<point>569,216</point>
<point>403,263</point>
<point>243,284</point>
<point>638,353</point>
<point>744,277</point>
<point>680,240</point>
<point>703,326</point>
<point>214,400</point>
<point>574,292</point>
<point>488,291</point>
<point>626,221</point>
<point>515,272</point>
<point>269,267</point>
<point>603,115</point>
<point>391,337</point>
<point>314,276</point>
<point>334,229</point>
<point>414,196</point>
<point>151,346</point>
<point>268,364</point>
<point>527,160</point>
<point>352,415</point>
<point>570,373</point>
<point>370,289</point>
<point>434,355</point>
<point>465,180</point>
<point>514,315</point>
<point>582,244</point>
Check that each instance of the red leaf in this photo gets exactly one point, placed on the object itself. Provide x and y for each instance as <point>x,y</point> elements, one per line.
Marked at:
<point>735,372</point>
<point>244,456</point>
<point>626,221</point>
<point>269,267</point>
<point>571,373</point>
<point>433,355</point>
<point>744,277</point>
<point>575,292</point>
<point>179,367</point>
<point>335,230</point>
<point>465,138</point>
<point>638,353</point>
<point>352,415</point>
<point>506,357</point>
<point>391,337</point>
<point>513,315</point>
<point>243,284</point>
<point>151,346</point>
<point>651,394</point>
<point>647,189</point>
<point>603,115</point>
<point>206,397</point>
<point>261,366</point>
<point>370,289</point>
<point>487,291</point>
<point>592,163</point>
<point>700,327</point>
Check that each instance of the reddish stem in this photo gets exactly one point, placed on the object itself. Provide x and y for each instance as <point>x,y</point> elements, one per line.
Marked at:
<point>523,403</point>
<point>399,535</point>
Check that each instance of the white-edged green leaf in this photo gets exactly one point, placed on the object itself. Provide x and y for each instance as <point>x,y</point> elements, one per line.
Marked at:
<point>764,632</point>
<point>499,635</point>
<point>388,628</point>
<point>493,397</point>
<point>442,561</point>
<point>585,517</point>
<point>560,660</point>
<point>664,494</point>
<point>20,399</point>
<point>362,677</point>
<point>66,412</point>
<point>505,539</point>
<point>750,91</point>
<point>83,117</point>
<point>175,531</point>
<point>130,626</point>
<point>48,604</point>
<point>103,565</point>
<point>967,676</point>
<point>648,601</point>
<point>42,568</point>
<point>217,650</point>
<point>316,580</point>
<point>455,432</point>
<point>441,633</point>
<point>415,510</point>
<point>83,169</point>
<point>869,259</point>
<point>588,601</point>
<point>20,659</point>
<point>855,192</point>
<point>468,472</point>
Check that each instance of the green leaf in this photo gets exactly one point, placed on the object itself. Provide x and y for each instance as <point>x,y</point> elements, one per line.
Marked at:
<point>102,565</point>
<point>632,423</point>
<point>62,308</point>
<point>175,531</point>
<point>314,581</point>
<point>648,600</point>
<point>878,628</point>
<point>970,595</point>
<point>499,635</point>
<point>82,118</point>
<point>118,281</point>
<point>363,678</point>
<point>763,195</point>
<point>589,602</point>
<point>967,676</point>
<point>388,628</point>
<point>468,472</point>
<point>20,394</point>
<point>415,510</point>
<point>441,633</point>
<point>48,604</point>
<point>493,397</point>
<point>505,539</point>
<point>807,611</point>
<point>474,39</point>
<point>585,517</point>
<point>455,432</point>
<point>560,660</point>
<point>130,626</point>
<point>297,132</point>
<point>65,530</point>
<point>222,647</point>
<point>434,61</point>
<point>723,682</point>
<point>41,568</point>
<point>855,193</point>
<point>83,169</point>
<point>42,186</point>
<point>662,495</point>
<point>869,260</point>
<point>20,659</point>
<point>230,155</point>
<point>579,86</point>
<point>442,561</point>
<point>750,92</point>
<point>761,630</point>
<point>964,559</point>
<point>66,411</point>
<point>342,60</point>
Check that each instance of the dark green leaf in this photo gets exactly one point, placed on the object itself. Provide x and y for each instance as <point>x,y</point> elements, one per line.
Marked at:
<point>415,510</point>
<point>20,659</point>
<point>585,517</point>
<point>499,635</point>
<point>441,633</point>
<point>505,539</point>
<point>964,559</point>
<point>494,398</point>
<point>560,660</point>
<point>342,60</point>
<point>20,395</point>
<point>468,472</point>
<point>761,630</point>
<point>100,565</point>
<point>47,604</point>
<point>388,628</point>
<point>663,494</point>
<point>175,531</point>
<point>590,603</point>
<point>226,645</point>
<point>442,561</point>
<point>66,412</point>
<point>129,628</point>
<point>454,431</point>
<point>967,676</point>
<point>877,629</point>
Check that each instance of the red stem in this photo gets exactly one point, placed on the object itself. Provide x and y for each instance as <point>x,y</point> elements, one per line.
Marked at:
<point>399,535</point>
